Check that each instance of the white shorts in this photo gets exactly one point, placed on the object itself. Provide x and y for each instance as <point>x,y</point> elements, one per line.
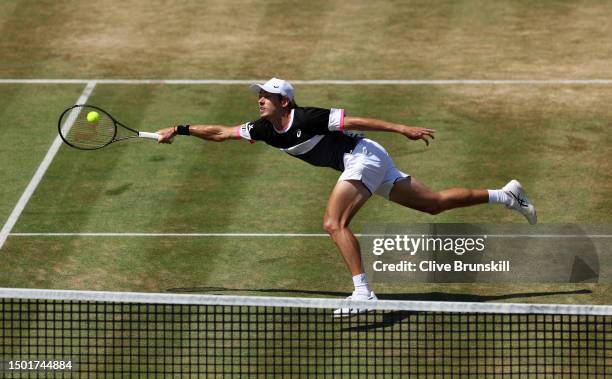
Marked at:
<point>372,165</point>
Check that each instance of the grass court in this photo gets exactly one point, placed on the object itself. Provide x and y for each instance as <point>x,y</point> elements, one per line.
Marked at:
<point>551,136</point>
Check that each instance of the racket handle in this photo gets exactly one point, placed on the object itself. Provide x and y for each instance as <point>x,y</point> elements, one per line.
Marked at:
<point>148,135</point>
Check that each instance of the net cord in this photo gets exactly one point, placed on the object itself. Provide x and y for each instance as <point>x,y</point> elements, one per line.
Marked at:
<point>391,305</point>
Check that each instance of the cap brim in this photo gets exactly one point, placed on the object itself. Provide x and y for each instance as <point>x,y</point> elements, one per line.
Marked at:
<point>262,87</point>
<point>256,87</point>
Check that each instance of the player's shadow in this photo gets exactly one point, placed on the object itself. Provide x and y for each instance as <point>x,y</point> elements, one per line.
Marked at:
<point>420,296</point>
<point>208,290</point>
<point>387,319</point>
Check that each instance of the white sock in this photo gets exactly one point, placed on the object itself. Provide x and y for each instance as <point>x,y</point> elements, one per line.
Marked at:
<point>499,197</point>
<point>361,284</point>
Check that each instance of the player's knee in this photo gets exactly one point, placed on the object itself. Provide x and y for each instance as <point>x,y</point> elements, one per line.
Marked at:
<point>435,206</point>
<point>331,226</point>
<point>434,210</point>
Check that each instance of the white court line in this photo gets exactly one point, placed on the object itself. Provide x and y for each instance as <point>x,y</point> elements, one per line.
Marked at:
<point>319,82</point>
<point>42,168</point>
<point>169,235</point>
<point>127,234</point>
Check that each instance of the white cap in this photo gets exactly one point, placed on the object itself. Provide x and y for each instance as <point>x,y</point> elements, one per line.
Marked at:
<point>275,85</point>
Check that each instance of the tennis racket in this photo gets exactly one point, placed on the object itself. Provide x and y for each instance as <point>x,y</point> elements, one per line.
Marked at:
<point>76,131</point>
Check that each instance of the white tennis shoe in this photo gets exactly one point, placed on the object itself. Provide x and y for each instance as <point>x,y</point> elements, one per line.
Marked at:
<point>520,202</point>
<point>349,312</point>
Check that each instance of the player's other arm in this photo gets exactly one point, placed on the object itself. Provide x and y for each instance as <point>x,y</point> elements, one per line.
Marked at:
<point>372,124</point>
<point>217,133</point>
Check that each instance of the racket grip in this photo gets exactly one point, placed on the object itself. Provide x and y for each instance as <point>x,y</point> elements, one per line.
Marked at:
<point>148,135</point>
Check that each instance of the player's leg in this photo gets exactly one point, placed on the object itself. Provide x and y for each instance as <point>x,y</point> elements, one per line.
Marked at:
<point>411,193</point>
<point>347,197</point>
<point>345,200</point>
<point>414,194</point>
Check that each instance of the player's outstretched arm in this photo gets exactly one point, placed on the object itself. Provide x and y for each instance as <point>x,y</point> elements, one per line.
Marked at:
<point>217,133</point>
<point>372,124</point>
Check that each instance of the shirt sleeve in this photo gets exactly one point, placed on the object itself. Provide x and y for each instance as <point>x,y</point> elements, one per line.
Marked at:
<point>252,131</point>
<point>336,120</point>
<point>325,121</point>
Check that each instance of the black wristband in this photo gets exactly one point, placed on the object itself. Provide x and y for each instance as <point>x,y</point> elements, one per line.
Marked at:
<point>182,130</point>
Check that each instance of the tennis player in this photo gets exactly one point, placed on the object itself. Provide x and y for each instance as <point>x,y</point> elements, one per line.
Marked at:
<point>322,137</point>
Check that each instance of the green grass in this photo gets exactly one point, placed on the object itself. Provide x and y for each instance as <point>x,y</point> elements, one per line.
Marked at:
<point>318,39</point>
<point>29,125</point>
<point>553,138</point>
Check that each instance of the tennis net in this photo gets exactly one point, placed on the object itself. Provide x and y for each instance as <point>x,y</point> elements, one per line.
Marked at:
<point>103,334</point>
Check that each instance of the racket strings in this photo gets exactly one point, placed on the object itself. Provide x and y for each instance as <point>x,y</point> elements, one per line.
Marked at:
<point>90,135</point>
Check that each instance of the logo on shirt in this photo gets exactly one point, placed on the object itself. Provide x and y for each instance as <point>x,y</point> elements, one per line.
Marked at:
<point>299,133</point>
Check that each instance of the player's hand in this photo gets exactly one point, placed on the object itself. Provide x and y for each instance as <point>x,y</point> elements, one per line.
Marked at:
<point>419,133</point>
<point>166,135</point>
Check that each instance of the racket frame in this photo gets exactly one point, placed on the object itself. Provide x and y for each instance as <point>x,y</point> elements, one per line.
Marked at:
<point>116,124</point>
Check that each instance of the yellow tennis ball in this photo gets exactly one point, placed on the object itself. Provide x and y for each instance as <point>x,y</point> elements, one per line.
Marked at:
<point>93,116</point>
